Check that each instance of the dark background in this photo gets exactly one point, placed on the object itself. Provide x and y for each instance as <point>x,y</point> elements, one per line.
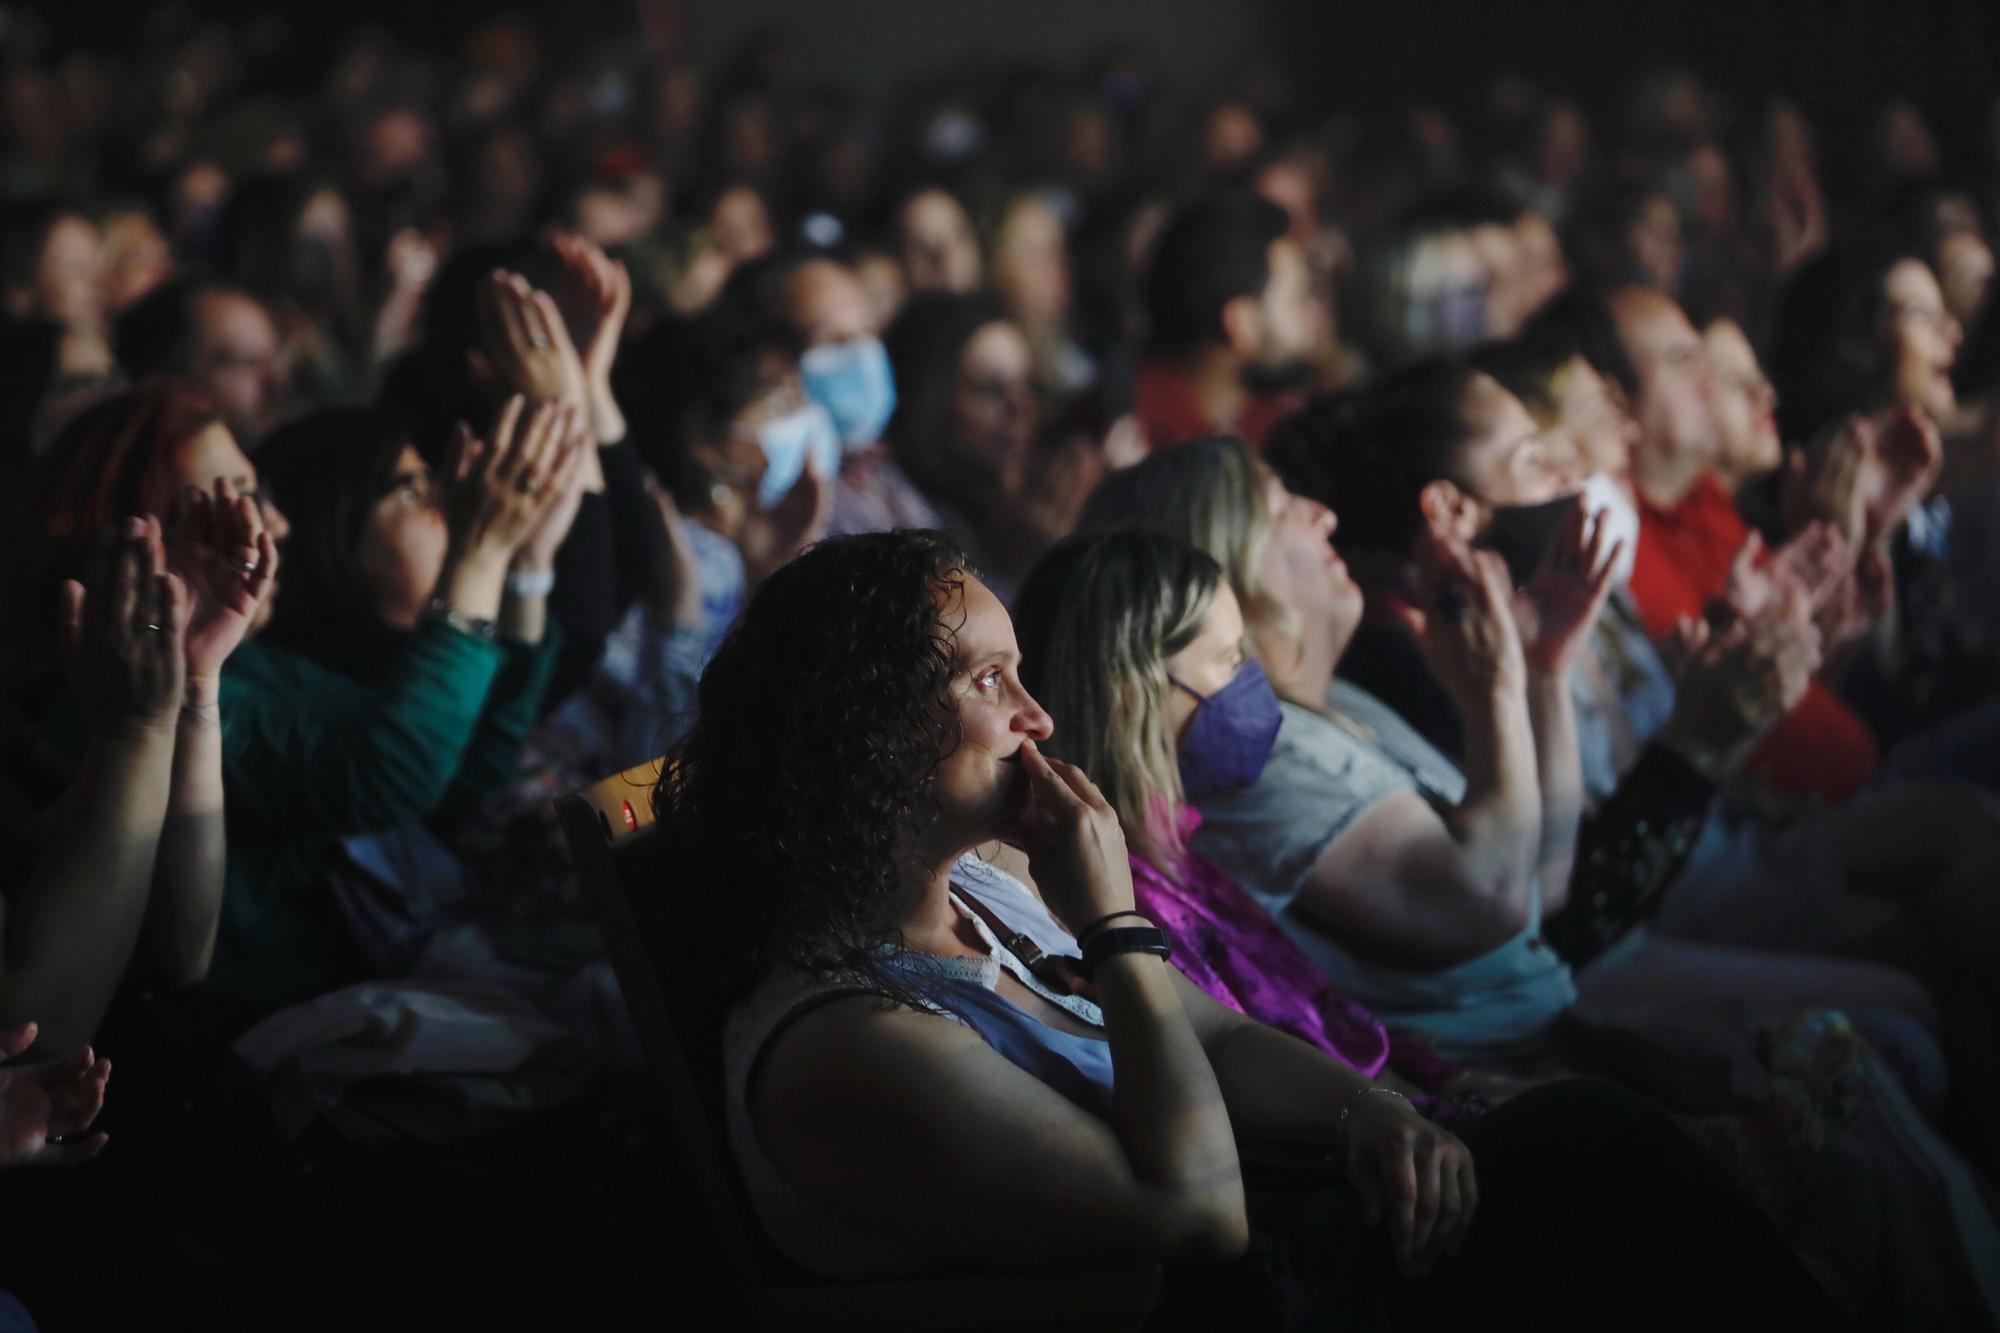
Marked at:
<point>1838,58</point>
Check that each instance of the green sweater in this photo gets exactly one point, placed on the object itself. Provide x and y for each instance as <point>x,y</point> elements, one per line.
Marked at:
<point>310,755</point>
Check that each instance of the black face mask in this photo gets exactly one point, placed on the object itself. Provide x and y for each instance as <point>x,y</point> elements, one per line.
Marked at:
<point>1522,535</point>
<point>1282,378</point>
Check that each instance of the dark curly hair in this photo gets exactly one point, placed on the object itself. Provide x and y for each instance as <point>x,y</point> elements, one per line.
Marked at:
<point>823,718</point>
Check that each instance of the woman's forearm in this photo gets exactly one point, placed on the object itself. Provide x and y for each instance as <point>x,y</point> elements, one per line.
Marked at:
<point>1279,1089</point>
<point>1552,714</point>
<point>1498,823</point>
<point>179,933</point>
<point>1167,1105</point>
<point>524,619</point>
<point>71,929</point>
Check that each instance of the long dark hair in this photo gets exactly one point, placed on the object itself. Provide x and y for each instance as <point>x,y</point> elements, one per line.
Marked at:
<point>791,805</point>
<point>327,470</point>
<point>1826,357</point>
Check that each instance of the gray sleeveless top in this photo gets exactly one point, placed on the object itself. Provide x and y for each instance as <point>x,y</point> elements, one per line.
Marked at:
<point>1324,775</point>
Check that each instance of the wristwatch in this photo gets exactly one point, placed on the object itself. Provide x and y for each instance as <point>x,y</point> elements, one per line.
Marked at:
<point>1116,940</point>
<point>477,626</point>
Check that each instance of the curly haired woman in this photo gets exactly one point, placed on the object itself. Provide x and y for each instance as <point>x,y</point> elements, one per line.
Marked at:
<point>912,1086</point>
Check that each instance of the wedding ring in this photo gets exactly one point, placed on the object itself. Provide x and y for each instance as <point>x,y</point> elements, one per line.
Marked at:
<point>538,341</point>
<point>151,626</point>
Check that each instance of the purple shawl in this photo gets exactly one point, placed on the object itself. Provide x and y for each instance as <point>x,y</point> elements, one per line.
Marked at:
<point>1232,948</point>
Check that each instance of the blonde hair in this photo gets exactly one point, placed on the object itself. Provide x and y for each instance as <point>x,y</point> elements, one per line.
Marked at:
<point>1097,620</point>
<point>1210,494</point>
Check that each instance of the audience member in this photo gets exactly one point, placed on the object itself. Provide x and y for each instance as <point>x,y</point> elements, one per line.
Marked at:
<point>1231,319</point>
<point>403,666</point>
<point>218,336</point>
<point>967,431</point>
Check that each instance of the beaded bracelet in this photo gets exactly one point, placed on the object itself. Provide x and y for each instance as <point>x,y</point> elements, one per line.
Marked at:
<point>1340,1126</point>
<point>478,626</point>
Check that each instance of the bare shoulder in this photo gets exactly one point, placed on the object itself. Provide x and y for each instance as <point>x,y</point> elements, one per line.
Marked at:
<point>855,1048</point>
<point>858,1092</point>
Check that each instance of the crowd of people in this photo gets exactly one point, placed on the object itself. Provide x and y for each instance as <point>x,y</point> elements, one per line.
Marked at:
<point>1171,628</point>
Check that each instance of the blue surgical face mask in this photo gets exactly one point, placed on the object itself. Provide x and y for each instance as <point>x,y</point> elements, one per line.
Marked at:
<point>1232,734</point>
<point>853,382</point>
<point>789,442</point>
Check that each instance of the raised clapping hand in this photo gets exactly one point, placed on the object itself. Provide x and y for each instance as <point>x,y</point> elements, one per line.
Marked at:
<point>228,562</point>
<point>1734,682</point>
<point>770,537</point>
<point>46,1106</point>
<point>1465,625</point>
<point>523,341</point>
<point>123,630</point>
<point>1560,604</point>
<point>1906,461</point>
<point>497,493</point>
<point>1864,477</point>
<point>673,583</point>
<point>594,293</point>
<point>576,448</point>
<point>1843,593</point>
<point>1828,482</point>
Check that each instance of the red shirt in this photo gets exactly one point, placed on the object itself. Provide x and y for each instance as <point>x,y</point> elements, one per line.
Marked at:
<point>1164,401</point>
<point>1822,747</point>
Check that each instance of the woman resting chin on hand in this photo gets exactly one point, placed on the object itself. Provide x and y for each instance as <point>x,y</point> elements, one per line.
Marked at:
<point>988,1092</point>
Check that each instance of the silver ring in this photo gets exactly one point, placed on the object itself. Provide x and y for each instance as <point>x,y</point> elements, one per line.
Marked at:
<point>538,341</point>
<point>250,567</point>
<point>151,626</point>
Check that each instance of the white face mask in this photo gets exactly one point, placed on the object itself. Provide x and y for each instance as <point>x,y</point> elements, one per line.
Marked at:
<point>791,443</point>
<point>1605,499</point>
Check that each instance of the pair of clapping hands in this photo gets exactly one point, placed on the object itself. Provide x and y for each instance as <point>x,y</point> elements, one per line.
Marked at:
<point>1863,476</point>
<point>1750,659</point>
<point>549,354</point>
<point>558,345</point>
<point>1480,637</point>
<point>147,628</point>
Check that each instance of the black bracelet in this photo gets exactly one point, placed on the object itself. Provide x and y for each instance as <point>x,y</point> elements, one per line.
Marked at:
<point>1085,933</point>
<point>1131,939</point>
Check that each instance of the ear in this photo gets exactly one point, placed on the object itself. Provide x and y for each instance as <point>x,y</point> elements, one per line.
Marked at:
<point>1614,389</point>
<point>1450,512</point>
<point>1242,321</point>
